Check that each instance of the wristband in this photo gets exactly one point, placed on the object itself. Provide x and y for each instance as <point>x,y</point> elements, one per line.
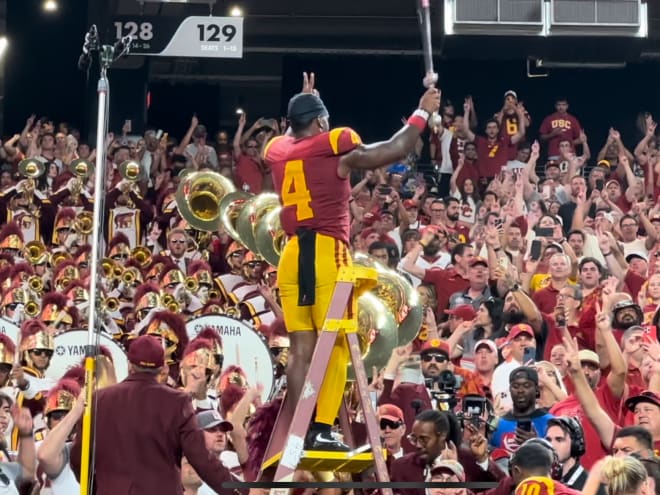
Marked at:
<point>25,435</point>
<point>420,112</point>
<point>497,249</point>
<point>417,121</point>
<point>605,255</point>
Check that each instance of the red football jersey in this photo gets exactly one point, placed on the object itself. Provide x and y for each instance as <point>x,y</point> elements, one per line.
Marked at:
<point>540,485</point>
<point>305,176</point>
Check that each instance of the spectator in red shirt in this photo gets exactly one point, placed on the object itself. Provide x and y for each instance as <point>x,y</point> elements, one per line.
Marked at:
<point>249,169</point>
<point>559,125</point>
<point>560,269</point>
<point>446,281</point>
<point>493,150</point>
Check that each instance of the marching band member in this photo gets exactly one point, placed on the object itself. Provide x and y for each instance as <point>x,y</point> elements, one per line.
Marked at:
<point>64,407</point>
<point>36,348</point>
<point>65,273</point>
<point>119,248</point>
<point>7,359</point>
<point>127,212</point>
<point>14,303</point>
<point>64,233</point>
<point>76,292</point>
<point>58,313</point>
<point>81,257</point>
<point>200,272</point>
<point>171,329</point>
<point>197,369</point>
<point>11,241</point>
<point>29,209</point>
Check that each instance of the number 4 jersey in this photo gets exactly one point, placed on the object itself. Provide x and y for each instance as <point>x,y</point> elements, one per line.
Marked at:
<point>305,175</point>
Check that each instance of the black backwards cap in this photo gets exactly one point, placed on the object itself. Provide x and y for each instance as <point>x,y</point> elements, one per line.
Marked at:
<point>304,107</point>
<point>524,372</point>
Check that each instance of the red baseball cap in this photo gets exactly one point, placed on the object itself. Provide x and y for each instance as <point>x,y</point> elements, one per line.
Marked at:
<point>147,351</point>
<point>370,218</point>
<point>520,328</point>
<point>435,345</point>
<point>391,412</point>
<point>462,311</point>
<point>410,204</point>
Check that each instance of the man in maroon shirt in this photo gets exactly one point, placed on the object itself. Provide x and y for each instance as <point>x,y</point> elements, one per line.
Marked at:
<point>493,149</point>
<point>560,269</point>
<point>558,126</point>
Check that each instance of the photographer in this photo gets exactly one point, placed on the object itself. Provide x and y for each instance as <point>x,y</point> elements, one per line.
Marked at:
<point>443,384</point>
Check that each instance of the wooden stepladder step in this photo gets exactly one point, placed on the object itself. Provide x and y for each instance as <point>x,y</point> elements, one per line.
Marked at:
<point>286,446</point>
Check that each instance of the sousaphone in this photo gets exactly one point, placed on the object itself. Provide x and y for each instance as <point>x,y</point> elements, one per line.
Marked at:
<point>377,333</point>
<point>230,207</point>
<point>399,297</point>
<point>198,199</point>
<point>253,210</point>
<point>270,237</point>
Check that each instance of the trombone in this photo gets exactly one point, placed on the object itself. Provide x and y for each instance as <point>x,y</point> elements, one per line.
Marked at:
<point>170,303</point>
<point>36,284</point>
<point>32,308</point>
<point>191,284</point>
<point>84,224</point>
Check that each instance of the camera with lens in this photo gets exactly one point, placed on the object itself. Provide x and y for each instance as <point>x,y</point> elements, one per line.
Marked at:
<point>443,389</point>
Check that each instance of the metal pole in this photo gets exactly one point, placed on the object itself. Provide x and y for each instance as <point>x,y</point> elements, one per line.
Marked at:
<point>91,350</point>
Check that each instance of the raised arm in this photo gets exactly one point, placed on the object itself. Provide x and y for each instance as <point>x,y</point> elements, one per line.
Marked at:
<point>372,156</point>
<point>467,109</point>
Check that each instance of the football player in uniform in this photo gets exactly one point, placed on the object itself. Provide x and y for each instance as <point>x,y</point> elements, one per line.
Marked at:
<point>311,165</point>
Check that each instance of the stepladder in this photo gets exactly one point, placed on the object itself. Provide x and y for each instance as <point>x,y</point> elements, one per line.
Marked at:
<point>286,450</point>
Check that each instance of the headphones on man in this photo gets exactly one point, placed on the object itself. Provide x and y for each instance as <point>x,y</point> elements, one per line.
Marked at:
<point>575,432</point>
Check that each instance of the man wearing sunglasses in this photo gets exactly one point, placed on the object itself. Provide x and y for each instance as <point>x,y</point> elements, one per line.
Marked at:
<point>392,429</point>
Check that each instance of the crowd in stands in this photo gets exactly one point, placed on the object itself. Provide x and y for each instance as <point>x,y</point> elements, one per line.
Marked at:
<point>537,265</point>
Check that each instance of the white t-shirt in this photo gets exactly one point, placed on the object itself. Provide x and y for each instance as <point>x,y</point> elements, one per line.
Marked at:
<point>441,262</point>
<point>230,460</point>
<point>64,483</point>
<point>636,246</point>
<point>11,471</point>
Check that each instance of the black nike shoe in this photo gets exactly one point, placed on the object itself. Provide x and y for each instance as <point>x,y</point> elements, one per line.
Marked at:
<point>324,441</point>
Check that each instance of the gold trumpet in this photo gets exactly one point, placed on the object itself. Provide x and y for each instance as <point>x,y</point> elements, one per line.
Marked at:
<point>31,309</point>
<point>84,223</point>
<point>34,251</point>
<point>170,303</point>
<point>129,276</point>
<point>142,255</point>
<point>111,304</point>
<point>214,294</point>
<point>36,284</point>
<point>108,264</point>
<point>191,284</point>
<point>198,199</point>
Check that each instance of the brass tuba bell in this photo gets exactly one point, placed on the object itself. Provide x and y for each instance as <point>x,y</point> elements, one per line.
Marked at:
<point>198,199</point>
<point>82,170</point>
<point>131,170</point>
<point>270,237</point>
<point>170,303</point>
<point>34,252</point>
<point>399,296</point>
<point>31,169</point>
<point>142,255</point>
<point>111,304</point>
<point>377,333</point>
<point>253,210</point>
<point>230,207</point>
<point>84,223</point>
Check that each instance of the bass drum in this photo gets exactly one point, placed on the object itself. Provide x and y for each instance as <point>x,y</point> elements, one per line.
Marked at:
<point>70,352</point>
<point>242,346</point>
<point>11,330</point>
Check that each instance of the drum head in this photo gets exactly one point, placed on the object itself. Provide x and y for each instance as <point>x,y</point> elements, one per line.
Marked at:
<point>242,346</point>
<point>70,352</point>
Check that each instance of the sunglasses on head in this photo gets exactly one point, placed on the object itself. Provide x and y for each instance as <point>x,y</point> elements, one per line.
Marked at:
<point>439,358</point>
<point>42,352</point>
<point>392,425</point>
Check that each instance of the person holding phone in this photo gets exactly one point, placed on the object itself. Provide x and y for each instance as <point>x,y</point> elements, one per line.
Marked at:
<point>525,420</point>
